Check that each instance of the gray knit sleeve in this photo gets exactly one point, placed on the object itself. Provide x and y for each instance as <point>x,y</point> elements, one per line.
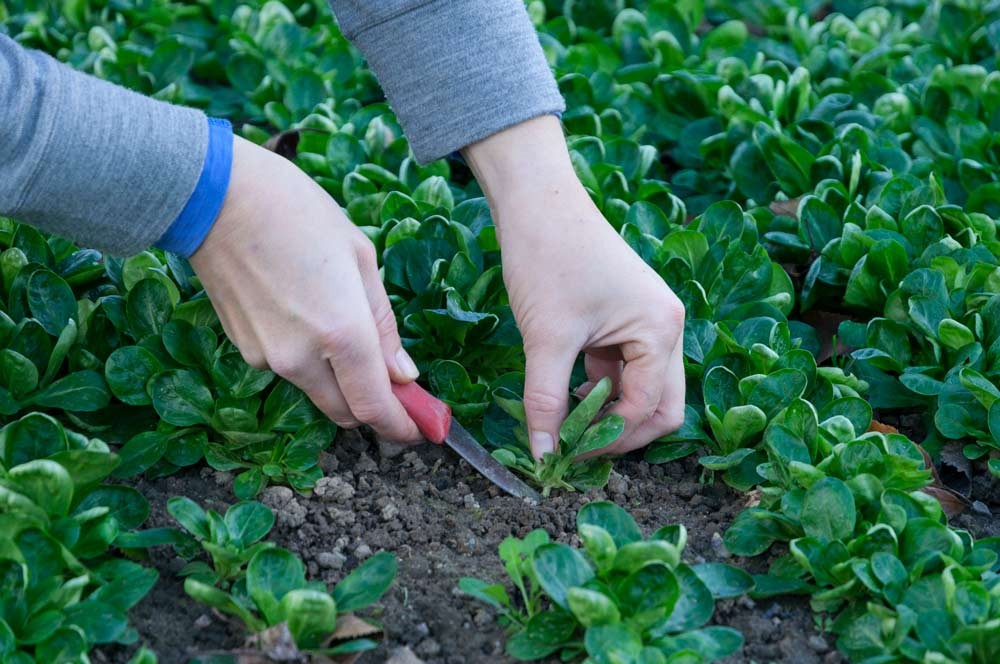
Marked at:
<point>454,71</point>
<point>91,161</point>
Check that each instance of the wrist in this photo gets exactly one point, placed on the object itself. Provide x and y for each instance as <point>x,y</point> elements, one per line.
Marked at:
<point>526,165</point>
<point>238,203</point>
<point>188,231</point>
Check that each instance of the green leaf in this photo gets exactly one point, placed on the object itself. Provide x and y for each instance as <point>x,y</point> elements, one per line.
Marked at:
<point>51,301</point>
<point>271,574</point>
<point>125,504</point>
<point>100,622</point>
<point>694,605</point>
<point>128,370</point>
<point>190,515</point>
<point>612,644</point>
<point>287,408</point>
<point>17,373</point>
<point>544,634</point>
<point>46,483</point>
<point>311,616</point>
<point>181,397</point>
<point>367,583</point>
<point>591,607</point>
<point>83,391</point>
<point>248,522</point>
<point>711,643</point>
<point>613,519</point>
<point>559,568</point>
<point>149,307</point>
<point>34,436</point>
<point>828,510</point>
<point>580,418</point>
<point>724,581</point>
<point>493,594</point>
<point>742,423</point>
<point>648,594</point>
<point>171,59</point>
<point>599,545</point>
<point>634,555</point>
<point>140,453</point>
<point>217,599</point>
<point>953,334</point>
<point>600,435</point>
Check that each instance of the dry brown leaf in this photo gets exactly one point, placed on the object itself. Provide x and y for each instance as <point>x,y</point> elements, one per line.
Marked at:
<point>882,428</point>
<point>789,208</point>
<point>350,627</point>
<point>952,502</point>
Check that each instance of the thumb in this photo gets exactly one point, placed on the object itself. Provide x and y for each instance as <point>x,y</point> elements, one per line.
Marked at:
<point>546,394</point>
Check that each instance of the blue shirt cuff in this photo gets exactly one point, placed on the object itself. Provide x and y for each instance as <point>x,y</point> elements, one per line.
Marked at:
<point>192,225</point>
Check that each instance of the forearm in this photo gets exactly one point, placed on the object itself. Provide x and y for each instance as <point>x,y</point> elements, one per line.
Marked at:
<point>525,168</point>
<point>91,161</point>
<point>454,72</point>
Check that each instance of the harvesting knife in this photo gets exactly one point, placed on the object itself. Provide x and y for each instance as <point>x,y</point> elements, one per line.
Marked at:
<point>433,417</point>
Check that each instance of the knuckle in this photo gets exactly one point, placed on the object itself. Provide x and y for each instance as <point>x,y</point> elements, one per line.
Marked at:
<point>385,319</point>
<point>541,402</point>
<point>286,365</point>
<point>368,412</point>
<point>669,315</point>
<point>336,339</point>
<point>672,420</point>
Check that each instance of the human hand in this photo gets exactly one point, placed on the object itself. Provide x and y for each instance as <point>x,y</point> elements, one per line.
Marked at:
<point>297,288</point>
<point>575,285</point>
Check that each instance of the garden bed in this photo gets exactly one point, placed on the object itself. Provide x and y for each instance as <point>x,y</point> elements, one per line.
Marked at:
<point>444,522</point>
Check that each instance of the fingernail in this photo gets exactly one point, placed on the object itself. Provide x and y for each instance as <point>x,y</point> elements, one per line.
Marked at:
<point>541,443</point>
<point>406,365</point>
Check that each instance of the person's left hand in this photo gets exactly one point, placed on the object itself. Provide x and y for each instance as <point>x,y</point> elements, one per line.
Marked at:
<point>575,285</point>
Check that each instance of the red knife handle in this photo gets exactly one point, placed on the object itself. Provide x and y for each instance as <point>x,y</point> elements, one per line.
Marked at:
<point>431,415</point>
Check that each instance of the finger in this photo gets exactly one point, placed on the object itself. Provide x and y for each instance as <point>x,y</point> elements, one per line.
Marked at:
<point>402,368</point>
<point>669,414</point>
<point>322,388</point>
<point>646,365</point>
<point>546,393</point>
<point>354,352</point>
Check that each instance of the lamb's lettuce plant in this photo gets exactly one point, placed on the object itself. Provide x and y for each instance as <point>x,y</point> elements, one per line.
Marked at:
<point>622,597</point>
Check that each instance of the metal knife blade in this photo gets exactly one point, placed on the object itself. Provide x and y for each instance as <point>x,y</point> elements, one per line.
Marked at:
<point>433,417</point>
<point>469,449</point>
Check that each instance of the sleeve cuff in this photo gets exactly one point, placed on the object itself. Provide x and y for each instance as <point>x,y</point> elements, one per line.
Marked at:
<point>457,72</point>
<point>192,225</point>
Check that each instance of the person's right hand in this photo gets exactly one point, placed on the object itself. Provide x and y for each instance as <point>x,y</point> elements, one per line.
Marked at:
<point>297,288</point>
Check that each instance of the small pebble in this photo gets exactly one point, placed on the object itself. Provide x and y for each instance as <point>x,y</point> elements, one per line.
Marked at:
<point>470,502</point>
<point>365,464</point>
<point>403,655</point>
<point>390,512</point>
<point>363,551</point>
<point>719,546</point>
<point>203,621</point>
<point>818,643</point>
<point>428,648</point>
<point>389,449</point>
<point>331,560</point>
<point>333,489</point>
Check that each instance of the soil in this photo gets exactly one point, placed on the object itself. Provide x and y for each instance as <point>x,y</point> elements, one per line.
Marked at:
<point>444,522</point>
